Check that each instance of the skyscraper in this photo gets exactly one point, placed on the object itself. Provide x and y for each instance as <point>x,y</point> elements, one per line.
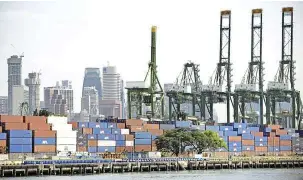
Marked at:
<point>14,78</point>
<point>3,104</point>
<point>90,101</point>
<point>123,100</point>
<point>33,84</point>
<point>92,78</point>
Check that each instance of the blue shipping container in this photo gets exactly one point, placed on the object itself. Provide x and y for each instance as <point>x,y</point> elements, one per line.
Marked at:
<point>116,131</point>
<point>261,139</point>
<point>120,137</point>
<point>3,136</point>
<point>91,136</point>
<point>226,128</point>
<point>120,143</point>
<point>234,144</point>
<point>112,125</point>
<point>92,149</point>
<point>143,141</point>
<point>19,141</point>
<point>243,131</point>
<point>285,148</point>
<point>21,148</point>
<point>254,129</point>
<point>44,141</point>
<point>285,137</point>
<point>247,136</point>
<point>220,133</point>
<point>106,149</point>
<point>235,149</point>
<point>20,133</point>
<point>183,124</point>
<point>143,135</point>
<point>267,130</point>
<point>167,126</point>
<point>101,131</point>
<point>230,133</point>
<point>261,143</point>
<point>240,125</point>
<point>225,138</point>
<point>97,125</point>
<point>154,137</point>
<point>248,148</point>
<point>273,149</point>
<point>106,137</point>
<point>213,128</point>
<point>82,124</point>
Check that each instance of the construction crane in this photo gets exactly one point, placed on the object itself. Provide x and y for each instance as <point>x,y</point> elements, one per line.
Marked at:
<point>186,89</point>
<point>20,55</point>
<point>24,109</point>
<point>282,89</point>
<point>213,92</point>
<point>247,93</point>
<point>142,93</point>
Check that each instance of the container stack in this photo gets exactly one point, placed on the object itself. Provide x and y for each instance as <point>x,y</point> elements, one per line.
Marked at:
<point>44,141</point>
<point>3,142</point>
<point>20,141</point>
<point>66,137</point>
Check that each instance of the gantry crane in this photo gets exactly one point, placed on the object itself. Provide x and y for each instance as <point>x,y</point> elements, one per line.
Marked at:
<point>140,93</point>
<point>278,90</point>
<point>213,92</point>
<point>186,89</point>
<point>247,92</point>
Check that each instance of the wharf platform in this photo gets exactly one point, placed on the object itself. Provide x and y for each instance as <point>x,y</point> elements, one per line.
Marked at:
<point>178,164</point>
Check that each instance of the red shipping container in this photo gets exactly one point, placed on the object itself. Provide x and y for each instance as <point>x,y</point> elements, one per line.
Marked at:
<point>15,126</point>
<point>45,134</point>
<point>121,125</point>
<point>44,148</point>
<point>35,119</point>
<point>142,148</point>
<point>11,119</point>
<point>39,126</point>
<point>92,143</point>
<point>261,149</point>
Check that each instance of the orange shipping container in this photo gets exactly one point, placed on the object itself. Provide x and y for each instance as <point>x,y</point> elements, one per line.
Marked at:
<point>273,127</point>
<point>81,149</point>
<point>45,134</point>
<point>137,129</point>
<point>87,131</point>
<point>134,122</point>
<point>156,132</point>
<point>11,119</point>
<point>74,124</point>
<point>92,143</point>
<point>234,138</point>
<point>151,126</point>
<point>0,129</point>
<point>281,132</point>
<point>129,137</point>
<point>35,119</point>
<point>261,149</point>
<point>39,126</point>
<point>124,149</point>
<point>2,143</point>
<point>257,134</point>
<point>44,148</point>
<point>273,143</point>
<point>142,148</point>
<point>121,125</point>
<point>248,143</point>
<point>15,126</point>
<point>285,143</point>
<point>272,134</point>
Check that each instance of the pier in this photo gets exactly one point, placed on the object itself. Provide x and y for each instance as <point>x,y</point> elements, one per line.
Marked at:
<point>17,170</point>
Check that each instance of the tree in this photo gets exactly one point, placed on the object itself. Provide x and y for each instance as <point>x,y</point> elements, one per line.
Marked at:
<point>42,112</point>
<point>176,141</point>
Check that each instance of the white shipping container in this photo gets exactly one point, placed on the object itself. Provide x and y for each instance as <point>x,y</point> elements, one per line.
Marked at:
<point>129,143</point>
<point>57,119</point>
<point>67,141</point>
<point>65,148</point>
<point>62,126</point>
<point>106,143</point>
<point>66,134</point>
<point>124,131</point>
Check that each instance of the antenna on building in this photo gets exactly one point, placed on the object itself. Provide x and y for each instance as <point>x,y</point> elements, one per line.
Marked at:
<point>20,55</point>
<point>107,63</point>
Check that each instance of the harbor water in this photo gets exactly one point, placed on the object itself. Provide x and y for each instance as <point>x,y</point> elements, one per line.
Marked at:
<point>249,174</point>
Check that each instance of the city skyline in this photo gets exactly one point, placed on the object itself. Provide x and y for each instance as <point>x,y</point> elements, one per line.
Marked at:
<point>41,25</point>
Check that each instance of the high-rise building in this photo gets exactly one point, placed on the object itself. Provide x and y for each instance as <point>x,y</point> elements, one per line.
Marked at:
<point>33,84</point>
<point>14,78</point>
<point>90,101</point>
<point>111,104</point>
<point>3,105</point>
<point>92,78</point>
<point>59,99</point>
<point>123,106</point>
<point>17,99</point>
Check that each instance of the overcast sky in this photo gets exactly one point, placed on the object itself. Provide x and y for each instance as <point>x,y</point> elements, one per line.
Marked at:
<point>62,38</point>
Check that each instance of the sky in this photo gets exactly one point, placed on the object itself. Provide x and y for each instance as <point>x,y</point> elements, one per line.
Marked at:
<point>62,38</point>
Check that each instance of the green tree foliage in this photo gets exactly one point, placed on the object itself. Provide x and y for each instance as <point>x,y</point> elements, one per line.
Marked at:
<point>42,112</point>
<point>176,141</point>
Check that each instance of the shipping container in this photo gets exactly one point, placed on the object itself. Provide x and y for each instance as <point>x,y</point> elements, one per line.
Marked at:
<point>106,137</point>
<point>285,148</point>
<point>154,137</point>
<point>136,128</point>
<point>27,148</point>
<point>221,133</point>
<point>3,136</point>
<point>67,134</point>
<point>248,142</point>
<point>120,137</point>
<point>254,129</point>
<point>240,125</point>
<point>234,138</point>
<point>198,127</point>
<point>224,138</point>
<point>82,125</point>
<point>67,140</point>
<point>92,143</point>
<point>142,148</point>
<point>39,126</point>
<point>294,134</point>
<point>20,133</point>
<point>124,131</point>
<point>81,149</point>
<point>66,147</point>
<point>261,143</point>
<point>243,131</point>
<point>91,136</point>
<point>45,141</point>
<point>213,128</point>
<point>129,143</point>
<point>129,137</point>
<point>44,134</point>
<point>267,130</point>
<point>285,137</point>
<point>1,129</point>
<point>106,149</point>
<point>167,126</point>
<point>74,125</point>
<point>106,143</point>
<point>226,128</point>
<point>112,125</point>
<point>274,127</point>
<point>248,148</point>
<point>248,136</point>
<point>261,139</point>
<point>156,132</point>
<point>234,144</point>
<point>35,119</point>
<point>116,131</point>
<point>235,149</point>
<point>280,132</point>
<point>285,143</point>
<point>261,149</point>
<point>143,141</point>
<point>151,126</point>
<point>257,134</point>
<point>44,148</point>
<point>92,149</point>
<point>87,131</point>
<point>134,122</point>
<point>230,133</point>
<point>273,149</point>
<point>121,125</point>
<point>15,126</point>
<point>101,131</point>
<point>97,125</point>
<point>57,120</point>
<point>120,143</point>
<point>124,149</point>
<point>143,135</point>
<point>11,119</point>
<point>3,143</point>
